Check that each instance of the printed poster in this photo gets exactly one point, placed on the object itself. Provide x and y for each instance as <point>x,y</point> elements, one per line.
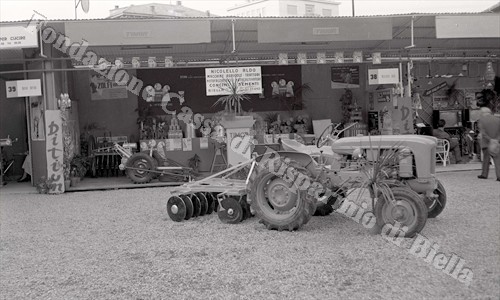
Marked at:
<point>187,144</point>
<point>204,143</point>
<point>169,145</point>
<point>101,88</point>
<point>344,77</point>
<point>177,144</point>
<point>37,123</point>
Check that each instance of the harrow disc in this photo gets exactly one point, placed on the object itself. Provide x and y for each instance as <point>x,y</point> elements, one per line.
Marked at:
<point>216,201</point>
<point>189,206</point>
<point>196,205</point>
<point>245,207</point>
<point>211,202</point>
<point>230,211</point>
<point>176,209</point>
<point>203,202</point>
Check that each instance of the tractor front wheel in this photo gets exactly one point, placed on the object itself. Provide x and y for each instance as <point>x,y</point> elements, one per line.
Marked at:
<point>437,206</point>
<point>407,208</point>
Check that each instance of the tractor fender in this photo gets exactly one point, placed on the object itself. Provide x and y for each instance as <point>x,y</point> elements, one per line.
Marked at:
<point>304,160</point>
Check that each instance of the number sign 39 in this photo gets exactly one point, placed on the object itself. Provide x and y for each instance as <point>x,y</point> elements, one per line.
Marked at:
<point>23,88</point>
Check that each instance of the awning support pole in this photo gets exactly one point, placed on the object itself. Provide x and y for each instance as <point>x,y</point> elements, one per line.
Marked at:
<point>234,40</point>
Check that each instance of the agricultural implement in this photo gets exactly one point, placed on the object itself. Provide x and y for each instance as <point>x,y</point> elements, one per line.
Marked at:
<point>142,167</point>
<point>219,193</point>
<point>284,189</point>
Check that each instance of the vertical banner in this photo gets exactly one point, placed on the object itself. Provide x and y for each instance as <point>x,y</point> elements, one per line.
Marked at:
<point>54,148</point>
<point>403,116</point>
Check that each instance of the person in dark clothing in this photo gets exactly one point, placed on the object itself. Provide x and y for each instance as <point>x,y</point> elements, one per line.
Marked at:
<point>454,145</point>
<point>489,127</point>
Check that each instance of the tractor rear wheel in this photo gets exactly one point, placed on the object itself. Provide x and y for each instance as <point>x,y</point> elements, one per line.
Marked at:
<point>279,204</point>
<point>407,208</point>
<point>139,167</point>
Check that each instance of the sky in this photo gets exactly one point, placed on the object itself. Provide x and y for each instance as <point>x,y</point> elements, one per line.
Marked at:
<point>15,10</point>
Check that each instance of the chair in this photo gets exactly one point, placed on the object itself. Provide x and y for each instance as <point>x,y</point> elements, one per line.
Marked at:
<point>443,151</point>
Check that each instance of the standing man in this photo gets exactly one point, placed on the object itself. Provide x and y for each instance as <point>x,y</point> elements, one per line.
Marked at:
<point>489,128</point>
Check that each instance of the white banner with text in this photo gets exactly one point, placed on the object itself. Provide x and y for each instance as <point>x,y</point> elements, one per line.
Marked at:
<point>222,81</point>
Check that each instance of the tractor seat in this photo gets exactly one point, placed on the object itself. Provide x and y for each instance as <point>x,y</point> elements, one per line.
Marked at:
<point>312,150</point>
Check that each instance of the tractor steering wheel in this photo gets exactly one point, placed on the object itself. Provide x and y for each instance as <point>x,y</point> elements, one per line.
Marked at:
<point>329,134</point>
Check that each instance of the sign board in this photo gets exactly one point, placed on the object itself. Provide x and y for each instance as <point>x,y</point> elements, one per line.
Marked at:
<point>23,88</point>
<point>17,37</point>
<point>54,150</point>
<point>384,95</point>
<point>345,77</point>
<point>383,76</point>
<point>218,80</point>
<point>435,88</point>
<point>101,88</point>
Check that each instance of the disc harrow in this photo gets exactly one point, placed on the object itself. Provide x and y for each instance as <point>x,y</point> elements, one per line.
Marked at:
<point>227,197</point>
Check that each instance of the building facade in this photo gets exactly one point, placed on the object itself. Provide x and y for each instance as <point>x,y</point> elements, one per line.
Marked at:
<point>286,8</point>
<point>155,10</point>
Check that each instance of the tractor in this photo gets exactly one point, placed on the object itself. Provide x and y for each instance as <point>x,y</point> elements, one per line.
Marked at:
<point>288,187</point>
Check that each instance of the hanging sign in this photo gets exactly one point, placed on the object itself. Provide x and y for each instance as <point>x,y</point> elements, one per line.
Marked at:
<point>54,150</point>
<point>435,89</point>
<point>12,37</point>
<point>23,88</point>
<point>383,76</point>
<point>218,80</point>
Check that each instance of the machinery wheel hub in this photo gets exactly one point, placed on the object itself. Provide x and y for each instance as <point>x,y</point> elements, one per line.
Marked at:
<point>281,196</point>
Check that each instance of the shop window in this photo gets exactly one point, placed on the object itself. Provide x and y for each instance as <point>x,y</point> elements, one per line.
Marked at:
<point>327,12</point>
<point>291,10</point>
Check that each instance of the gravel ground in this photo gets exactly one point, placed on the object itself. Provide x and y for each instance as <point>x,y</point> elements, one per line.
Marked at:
<point>122,245</point>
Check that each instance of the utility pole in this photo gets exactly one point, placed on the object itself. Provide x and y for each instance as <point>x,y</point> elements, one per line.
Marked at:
<point>353,8</point>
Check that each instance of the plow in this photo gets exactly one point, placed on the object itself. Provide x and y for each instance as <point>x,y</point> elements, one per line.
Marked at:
<point>284,189</point>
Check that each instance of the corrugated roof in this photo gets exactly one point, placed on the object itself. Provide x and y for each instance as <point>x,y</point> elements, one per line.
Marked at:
<point>261,18</point>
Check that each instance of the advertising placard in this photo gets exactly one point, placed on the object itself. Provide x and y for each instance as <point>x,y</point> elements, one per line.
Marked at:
<point>101,88</point>
<point>23,88</point>
<point>344,77</point>
<point>54,148</point>
<point>17,37</point>
<point>218,80</point>
<point>384,95</point>
<point>383,76</point>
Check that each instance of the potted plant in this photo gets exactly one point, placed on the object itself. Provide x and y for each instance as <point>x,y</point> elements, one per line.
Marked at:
<point>79,166</point>
<point>44,185</point>
<point>232,101</point>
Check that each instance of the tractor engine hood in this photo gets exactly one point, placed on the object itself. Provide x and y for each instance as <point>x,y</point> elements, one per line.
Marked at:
<point>423,147</point>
